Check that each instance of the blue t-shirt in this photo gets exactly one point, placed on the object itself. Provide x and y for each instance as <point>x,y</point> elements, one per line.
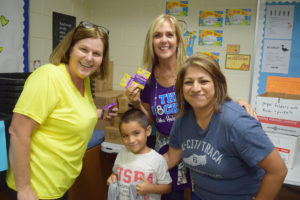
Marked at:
<point>223,158</point>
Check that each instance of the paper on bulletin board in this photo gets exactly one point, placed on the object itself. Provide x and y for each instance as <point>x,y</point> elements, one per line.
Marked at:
<point>211,18</point>
<point>3,153</point>
<point>233,48</point>
<point>237,62</point>
<point>214,55</point>
<point>279,21</point>
<point>210,37</point>
<point>177,8</point>
<point>276,56</point>
<point>286,85</point>
<point>238,17</point>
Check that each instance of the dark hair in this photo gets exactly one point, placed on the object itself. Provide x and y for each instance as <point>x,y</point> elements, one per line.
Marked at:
<point>134,115</point>
<point>211,66</point>
<point>61,54</point>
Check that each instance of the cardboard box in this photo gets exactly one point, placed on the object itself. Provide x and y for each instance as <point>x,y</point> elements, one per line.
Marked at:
<point>123,103</point>
<point>107,82</point>
<point>117,121</point>
<point>279,113</point>
<point>105,98</point>
<point>101,124</point>
<point>112,135</point>
<point>278,109</point>
<point>286,145</point>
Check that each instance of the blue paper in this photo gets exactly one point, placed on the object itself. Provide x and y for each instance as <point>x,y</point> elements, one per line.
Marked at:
<point>3,152</point>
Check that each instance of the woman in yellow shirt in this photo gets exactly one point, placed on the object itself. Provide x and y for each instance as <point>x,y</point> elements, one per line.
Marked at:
<point>55,116</point>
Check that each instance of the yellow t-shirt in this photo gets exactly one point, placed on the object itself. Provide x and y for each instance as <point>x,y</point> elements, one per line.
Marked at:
<point>67,120</point>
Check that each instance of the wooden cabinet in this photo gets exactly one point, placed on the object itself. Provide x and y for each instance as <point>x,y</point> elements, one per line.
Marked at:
<point>91,183</point>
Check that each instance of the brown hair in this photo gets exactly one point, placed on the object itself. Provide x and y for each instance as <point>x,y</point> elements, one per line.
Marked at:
<point>61,54</point>
<point>149,57</point>
<point>212,67</point>
<point>134,115</point>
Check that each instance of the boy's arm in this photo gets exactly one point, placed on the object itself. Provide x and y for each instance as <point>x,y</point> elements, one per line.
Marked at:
<point>148,188</point>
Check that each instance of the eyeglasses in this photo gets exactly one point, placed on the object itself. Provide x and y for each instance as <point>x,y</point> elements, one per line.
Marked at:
<point>91,25</point>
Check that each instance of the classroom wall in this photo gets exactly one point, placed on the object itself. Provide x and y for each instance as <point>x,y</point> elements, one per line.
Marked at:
<point>128,21</point>
<point>40,24</point>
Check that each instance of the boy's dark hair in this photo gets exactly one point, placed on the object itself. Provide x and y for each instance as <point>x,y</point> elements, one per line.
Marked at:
<point>135,115</point>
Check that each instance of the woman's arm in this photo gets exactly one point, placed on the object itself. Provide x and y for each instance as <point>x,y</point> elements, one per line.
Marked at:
<point>173,157</point>
<point>20,131</point>
<point>133,93</point>
<point>148,188</point>
<point>275,172</point>
<point>247,107</point>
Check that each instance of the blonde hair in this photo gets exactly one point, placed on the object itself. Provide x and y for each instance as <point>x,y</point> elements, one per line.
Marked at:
<point>61,54</point>
<point>149,57</point>
<point>211,66</point>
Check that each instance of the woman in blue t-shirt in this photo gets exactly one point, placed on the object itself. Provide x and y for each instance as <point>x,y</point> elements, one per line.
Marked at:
<point>226,150</point>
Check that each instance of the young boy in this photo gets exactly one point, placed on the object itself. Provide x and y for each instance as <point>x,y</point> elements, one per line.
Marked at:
<point>137,164</point>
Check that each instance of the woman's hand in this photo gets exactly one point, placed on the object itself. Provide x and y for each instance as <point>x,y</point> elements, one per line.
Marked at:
<point>112,178</point>
<point>133,93</point>
<point>27,193</point>
<point>248,108</point>
<point>110,116</point>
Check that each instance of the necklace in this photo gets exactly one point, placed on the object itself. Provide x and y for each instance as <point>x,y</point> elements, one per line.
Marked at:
<point>166,78</point>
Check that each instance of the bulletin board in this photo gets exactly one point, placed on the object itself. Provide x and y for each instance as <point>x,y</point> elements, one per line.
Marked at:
<point>14,29</point>
<point>275,92</point>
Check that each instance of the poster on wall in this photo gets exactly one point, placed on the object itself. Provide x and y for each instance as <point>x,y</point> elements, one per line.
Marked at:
<point>233,48</point>
<point>14,26</point>
<point>279,21</point>
<point>238,17</point>
<point>210,37</point>
<point>276,56</point>
<point>211,18</point>
<point>214,55</point>
<point>189,41</point>
<point>177,8</point>
<point>62,24</point>
<point>275,90</point>
<point>237,62</point>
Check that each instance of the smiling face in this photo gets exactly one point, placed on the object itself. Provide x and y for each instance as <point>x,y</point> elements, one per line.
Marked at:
<point>198,88</point>
<point>85,58</point>
<point>165,41</point>
<point>134,137</point>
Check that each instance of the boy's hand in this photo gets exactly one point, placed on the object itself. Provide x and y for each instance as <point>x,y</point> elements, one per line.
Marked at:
<point>144,187</point>
<point>113,178</point>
